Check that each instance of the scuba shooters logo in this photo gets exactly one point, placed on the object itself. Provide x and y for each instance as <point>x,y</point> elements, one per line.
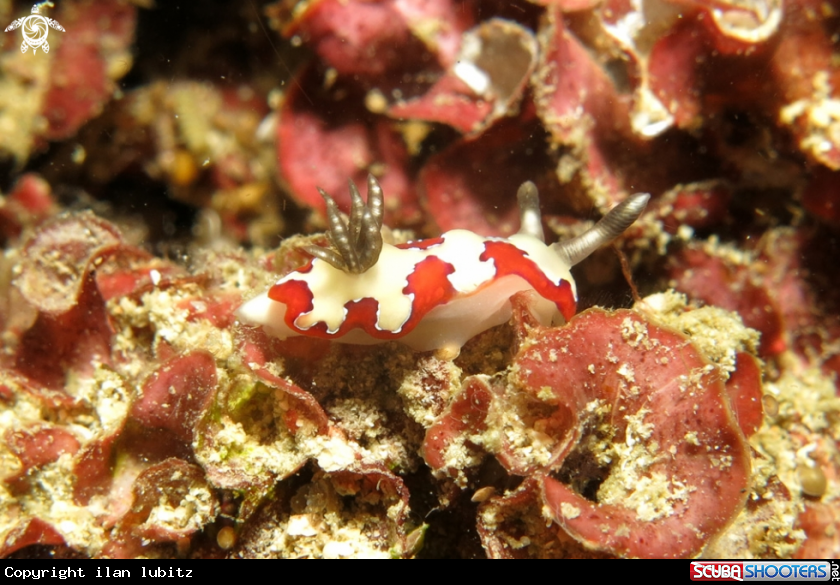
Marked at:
<point>35,29</point>
<point>717,572</point>
<point>763,571</point>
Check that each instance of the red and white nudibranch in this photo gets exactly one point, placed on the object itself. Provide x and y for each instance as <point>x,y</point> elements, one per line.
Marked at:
<point>429,294</point>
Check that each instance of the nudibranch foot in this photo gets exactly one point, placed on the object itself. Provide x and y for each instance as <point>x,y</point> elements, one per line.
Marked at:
<point>431,294</point>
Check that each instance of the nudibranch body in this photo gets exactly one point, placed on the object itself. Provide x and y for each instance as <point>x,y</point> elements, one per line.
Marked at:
<point>429,294</point>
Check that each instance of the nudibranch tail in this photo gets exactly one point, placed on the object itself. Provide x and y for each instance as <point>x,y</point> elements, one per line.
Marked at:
<point>612,225</point>
<point>357,241</point>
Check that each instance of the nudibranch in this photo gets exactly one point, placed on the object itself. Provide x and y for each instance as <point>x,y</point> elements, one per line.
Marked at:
<point>428,294</point>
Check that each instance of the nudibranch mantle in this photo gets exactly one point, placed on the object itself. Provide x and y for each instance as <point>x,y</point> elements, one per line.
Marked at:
<point>428,294</point>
